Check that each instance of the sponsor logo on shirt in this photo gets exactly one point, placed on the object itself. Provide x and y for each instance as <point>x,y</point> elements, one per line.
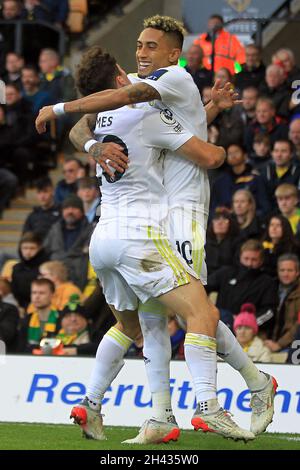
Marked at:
<point>156,75</point>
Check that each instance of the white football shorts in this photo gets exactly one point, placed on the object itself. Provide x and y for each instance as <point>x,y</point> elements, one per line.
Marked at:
<point>136,269</point>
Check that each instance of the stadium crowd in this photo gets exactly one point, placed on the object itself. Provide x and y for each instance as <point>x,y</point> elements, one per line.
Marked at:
<point>253,236</point>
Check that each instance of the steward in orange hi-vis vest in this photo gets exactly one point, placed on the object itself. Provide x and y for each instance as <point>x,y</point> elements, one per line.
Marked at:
<point>228,48</point>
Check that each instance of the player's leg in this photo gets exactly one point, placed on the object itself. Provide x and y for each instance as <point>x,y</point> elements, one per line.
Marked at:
<point>261,385</point>
<point>191,302</point>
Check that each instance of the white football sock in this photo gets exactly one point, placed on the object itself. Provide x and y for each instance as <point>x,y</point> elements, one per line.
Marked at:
<point>109,361</point>
<point>201,359</point>
<point>230,350</point>
<point>157,355</point>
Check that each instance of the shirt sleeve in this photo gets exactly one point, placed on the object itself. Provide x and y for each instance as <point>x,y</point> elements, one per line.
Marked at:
<point>169,85</point>
<point>161,130</point>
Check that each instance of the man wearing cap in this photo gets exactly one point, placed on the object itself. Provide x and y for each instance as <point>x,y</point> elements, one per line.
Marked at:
<point>68,240</point>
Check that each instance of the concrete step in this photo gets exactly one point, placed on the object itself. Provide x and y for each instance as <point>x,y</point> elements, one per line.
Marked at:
<point>23,204</point>
<point>6,225</point>
<point>10,236</point>
<point>16,214</point>
<point>9,248</point>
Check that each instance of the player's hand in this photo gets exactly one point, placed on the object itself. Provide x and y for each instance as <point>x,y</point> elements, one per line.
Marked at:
<point>225,97</point>
<point>46,114</point>
<point>109,155</point>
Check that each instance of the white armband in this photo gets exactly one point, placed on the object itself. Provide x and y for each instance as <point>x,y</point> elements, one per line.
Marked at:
<point>88,144</point>
<point>59,109</point>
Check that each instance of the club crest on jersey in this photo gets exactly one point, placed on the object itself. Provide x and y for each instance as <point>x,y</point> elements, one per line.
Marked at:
<point>167,117</point>
<point>156,75</point>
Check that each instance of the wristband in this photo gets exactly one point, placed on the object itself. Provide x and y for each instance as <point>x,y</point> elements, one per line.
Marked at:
<point>58,109</point>
<point>88,144</point>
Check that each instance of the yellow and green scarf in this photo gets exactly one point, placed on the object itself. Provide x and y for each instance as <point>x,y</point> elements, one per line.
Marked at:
<point>35,332</point>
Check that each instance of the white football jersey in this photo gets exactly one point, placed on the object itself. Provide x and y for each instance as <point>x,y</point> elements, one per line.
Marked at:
<point>186,183</point>
<point>138,196</point>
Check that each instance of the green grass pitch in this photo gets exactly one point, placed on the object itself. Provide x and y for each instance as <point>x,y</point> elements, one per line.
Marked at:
<point>64,437</point>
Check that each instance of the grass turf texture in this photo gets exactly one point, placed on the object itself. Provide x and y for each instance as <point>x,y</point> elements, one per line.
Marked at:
<point>63,437</point>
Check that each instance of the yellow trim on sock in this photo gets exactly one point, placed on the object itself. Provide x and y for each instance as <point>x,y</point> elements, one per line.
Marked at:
<point>118,336</point>
<point>194,339</point>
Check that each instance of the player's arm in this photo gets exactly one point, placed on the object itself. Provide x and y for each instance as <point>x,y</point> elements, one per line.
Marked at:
<point>82,135</point>
<point>204,154</point>
<point>102,101</point>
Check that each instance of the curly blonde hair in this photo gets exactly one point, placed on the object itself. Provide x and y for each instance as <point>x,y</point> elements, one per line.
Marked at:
<point>167,25</point>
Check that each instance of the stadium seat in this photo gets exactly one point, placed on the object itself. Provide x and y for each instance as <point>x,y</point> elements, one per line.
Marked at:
<point>77,15</point>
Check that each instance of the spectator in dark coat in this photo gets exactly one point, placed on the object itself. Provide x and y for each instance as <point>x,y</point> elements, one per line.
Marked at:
<point>56,79</point>
<point>246,110</point>
<point>9,319</point>
<point>275,87</point>
<point>43,216</point>
<point>294,136</point>
<point>253,71</point>
<point>31,89</point>
<point>266,122</point>
<point>72,170</point>
<point>32,255</point>
<point>13,65</point>
<point>278,240</point>
<point>286,319</point>
<point>282,169</point>
<point>244,212</point>
<point>68,240</point>
<point>221,241</point>
<point>262,152</point>
<point>201,76</point>
<point>246,283</point>
<point>240,175</point>
<point>53,11</point>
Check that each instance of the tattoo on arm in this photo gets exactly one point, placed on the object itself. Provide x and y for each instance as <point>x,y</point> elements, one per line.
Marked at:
<point>96,151</point>
<point>141,92</point>
<point>83,131</point>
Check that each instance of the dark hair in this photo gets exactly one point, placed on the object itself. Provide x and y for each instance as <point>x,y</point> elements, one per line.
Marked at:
<point>287,243</point>
<point>239,145</point>
<point>96,71</point>
<point>285,141</point>
<point>74,159</point>
<point>31,67</point>
<point>31,237</point>
<point>260,138</point>
<point>225,213</point>
<point>14,85</point>
<point>168,25</point>
<point>87,182</point>
<point>217,17</point>
<point>43,183</point>
<point>42,281</point>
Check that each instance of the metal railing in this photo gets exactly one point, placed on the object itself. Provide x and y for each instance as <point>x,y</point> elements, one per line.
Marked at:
<point>19,31</point>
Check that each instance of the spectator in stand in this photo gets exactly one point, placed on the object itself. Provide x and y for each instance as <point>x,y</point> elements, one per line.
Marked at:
<point>20,117</point>
<point>285,58</point>
<point>69,185</point>
<point>246,111</point>
<point>245,328</point>
<point>43,216</point>
<point>68,240</point>
<point>278,240</point>
<point>41,319</point>
<point>11,11</point>
<point>57,272</point>
<point>294,136</point>
<point>56,79</point>
<point>88,191</point>
<point>13,65</point>
<point>244,212</point>
<point>275,87</point>
<point>32,255</point>
<point>31,89</point>
<point>224,75</point>
<point>6,294</point>
<point>53,11</point>
<point>253,70</point>
<point>281,169</point>
<point>287,201</point>
<point>262,152</point>
<point>9,319</point>
<point>239,176</point>
<point>221,241</point>
<point>286,319</point>
<point>206,94</point>
<point>246,282</point>
<point>265,122</point>
<point>201,76</point>
<point>76,334</point>
<point>8,187</point>
<point>228,48</point>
